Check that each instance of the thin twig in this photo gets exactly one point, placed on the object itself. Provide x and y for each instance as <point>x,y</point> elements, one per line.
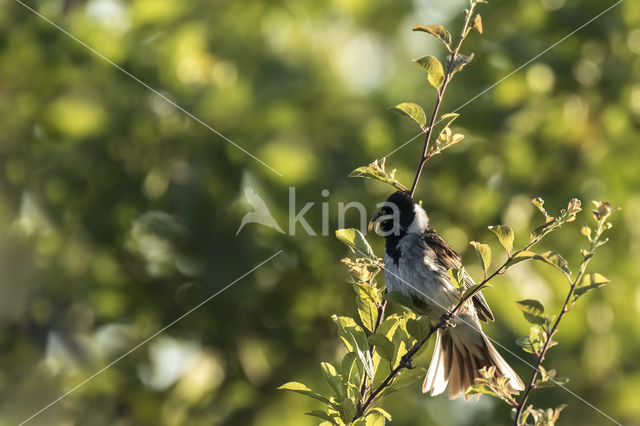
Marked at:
<point>363,387</point>
<point>447,77</point>
<point>566,307</point>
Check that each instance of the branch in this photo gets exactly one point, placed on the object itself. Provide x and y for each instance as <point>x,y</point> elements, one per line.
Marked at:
<point>405,362</point>
<point>566,307</point>
<point>447,77</point>
<point>363,387</point>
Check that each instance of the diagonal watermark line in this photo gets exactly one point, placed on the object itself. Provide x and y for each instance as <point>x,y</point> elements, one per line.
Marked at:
<point>112,363</point>
<point>167,99</point>
<point>479,330</point>
<point>562,40</point>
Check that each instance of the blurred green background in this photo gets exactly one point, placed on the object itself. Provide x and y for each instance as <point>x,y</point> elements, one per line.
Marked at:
<point>118,213</point>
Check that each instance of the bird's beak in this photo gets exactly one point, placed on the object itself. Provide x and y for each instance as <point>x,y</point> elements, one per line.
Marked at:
<point>374,225</point>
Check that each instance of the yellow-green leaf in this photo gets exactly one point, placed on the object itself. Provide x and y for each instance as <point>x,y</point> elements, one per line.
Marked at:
<point>383,346</point>
<point>418,328</point>
<point>505,235</point>
<point>437,31</point>
<point>532,310</point>
<point>354,239</point>
<point>590,282</point>
<point>366,303</point>
<point>304,390</point>
<point>433,67</point>
<point>484,253</point>
<point>459,62</point>
<point>333,379</point>
<point>414,111</point>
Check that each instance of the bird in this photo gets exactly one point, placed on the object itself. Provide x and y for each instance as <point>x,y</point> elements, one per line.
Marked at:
<point>417,261</point>
<point>260,213</point>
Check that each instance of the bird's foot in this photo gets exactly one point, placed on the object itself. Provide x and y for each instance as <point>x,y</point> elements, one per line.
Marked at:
<point>405,361</point>
<point>447,318</point>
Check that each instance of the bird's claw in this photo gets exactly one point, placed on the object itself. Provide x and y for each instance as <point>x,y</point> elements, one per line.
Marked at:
<point>446,319</point>
<point>406,362</point>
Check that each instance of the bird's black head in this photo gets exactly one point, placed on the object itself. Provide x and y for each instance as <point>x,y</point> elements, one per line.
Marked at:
<point>399,215</point>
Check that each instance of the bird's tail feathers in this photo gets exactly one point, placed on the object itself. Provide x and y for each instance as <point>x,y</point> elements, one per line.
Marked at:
<point>457,362</point>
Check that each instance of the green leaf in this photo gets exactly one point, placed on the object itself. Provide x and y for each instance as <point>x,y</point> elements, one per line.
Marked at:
<point>347,410</point>
<point>484,252</point>
<point>388,326</point>
<point>473,290</point>
<point>449,118</point>
<point>437,31</point>
<point>505,235</point>
<point>539,203</point>
<point>333,379</point>
<point>433,67</point>
<point>408,376</point>
<point>350,369</point>
<point>555,259</point>
<point>322,415</point>
<point>418,328</point>
<point>354,239</point>
<point>413,111</point>
<point>532,310</point>
<point>445,140</point>
<point>480,389</point>
<point>366,303</point>
<point>304,390</point>
<point>382,412</point>
<point>376,171</point>
<point>398,298</point>
<point>355,340</point>
<point>383,346</point>
<point>550,257</point>
<point>532,343</point>
<point>590,282</point>
<point>374,419</point>
<point>459,62</point>
<point>457,278</point>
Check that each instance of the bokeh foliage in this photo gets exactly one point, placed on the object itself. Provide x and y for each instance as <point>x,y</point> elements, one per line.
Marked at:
<point>118,212</point>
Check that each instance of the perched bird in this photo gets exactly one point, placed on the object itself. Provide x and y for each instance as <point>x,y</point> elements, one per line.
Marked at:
<point>260,213</point>
<point>417,261</point>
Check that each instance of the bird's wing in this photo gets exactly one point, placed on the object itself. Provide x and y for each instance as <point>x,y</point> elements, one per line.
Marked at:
<point>254,200</point>
<point>451,260</point>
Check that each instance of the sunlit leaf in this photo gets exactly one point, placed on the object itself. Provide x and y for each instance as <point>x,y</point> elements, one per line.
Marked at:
<point>480,389</point>
<point>449,118</point>
<point>477,23</point>
<point>590,282</point>
<point>469,292</point>
<point>419,327</point>
<point>347,410</point>
<point>304,390</point>
<point>377,171</point>
<point>532,343</point>
<point>550,257</point>
<point>484,253</point>
<point>408,376</point>
<point>414,111</point>
<point>505,235</point>
<point>433,67</point>
<point>459,62</point>
<point>354,239</point>
<point>333,379</point>
<point>366,303</point>
<point>532,310</point>
<point>437,31</point>
<point>383,346</point>
<point>322,415</point>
